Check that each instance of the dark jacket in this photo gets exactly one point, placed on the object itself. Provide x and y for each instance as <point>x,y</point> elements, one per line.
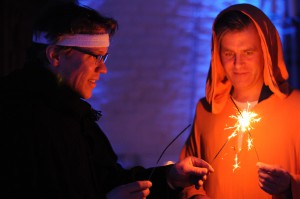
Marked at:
<point>52,147</point>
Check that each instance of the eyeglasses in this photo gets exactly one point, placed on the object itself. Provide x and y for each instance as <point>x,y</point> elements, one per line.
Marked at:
<point>99,58</point>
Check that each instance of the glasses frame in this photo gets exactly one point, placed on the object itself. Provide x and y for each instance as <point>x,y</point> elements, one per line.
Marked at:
<point>99,58</point>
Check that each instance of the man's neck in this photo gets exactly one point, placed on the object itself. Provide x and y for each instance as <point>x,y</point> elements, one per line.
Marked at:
<point>246,95</point>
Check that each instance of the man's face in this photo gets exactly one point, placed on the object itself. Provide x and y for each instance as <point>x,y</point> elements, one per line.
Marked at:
<point>81,70</point>
<point>242,58</point>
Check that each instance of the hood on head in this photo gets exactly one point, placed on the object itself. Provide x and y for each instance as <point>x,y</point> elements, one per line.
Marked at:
<point>275,73</point>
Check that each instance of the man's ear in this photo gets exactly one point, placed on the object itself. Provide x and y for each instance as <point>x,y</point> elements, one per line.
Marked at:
<point>52,55</point>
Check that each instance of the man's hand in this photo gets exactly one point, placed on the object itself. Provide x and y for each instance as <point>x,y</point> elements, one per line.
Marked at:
<point>189,171</point>
<point>273,179</point>
<point>134,190</point>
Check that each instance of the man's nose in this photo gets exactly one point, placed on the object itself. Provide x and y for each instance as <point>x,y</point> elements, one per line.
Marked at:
<point>101,68</point>
<point>238,60</point>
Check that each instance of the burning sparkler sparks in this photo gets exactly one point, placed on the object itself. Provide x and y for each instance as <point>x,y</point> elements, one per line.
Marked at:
<point>244,120</point>
<point>236,163</point>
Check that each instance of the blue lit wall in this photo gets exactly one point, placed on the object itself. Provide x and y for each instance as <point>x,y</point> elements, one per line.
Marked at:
<point>156,72</point>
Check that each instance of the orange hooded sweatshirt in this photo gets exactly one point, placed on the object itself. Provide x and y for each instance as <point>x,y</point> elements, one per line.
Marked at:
<point>276,137</point>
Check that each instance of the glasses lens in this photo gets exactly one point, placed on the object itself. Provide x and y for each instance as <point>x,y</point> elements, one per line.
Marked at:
<point>103,58</point>
<point>99,58</point>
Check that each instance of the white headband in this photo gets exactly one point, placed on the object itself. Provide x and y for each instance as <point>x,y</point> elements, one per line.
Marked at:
<point>79,40</point>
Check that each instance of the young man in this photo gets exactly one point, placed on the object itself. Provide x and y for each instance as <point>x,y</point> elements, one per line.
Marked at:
<point>247,77</point>
<point>51,146</point>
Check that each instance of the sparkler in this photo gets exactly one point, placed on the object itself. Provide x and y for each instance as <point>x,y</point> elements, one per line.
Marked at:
<point>153,169</point>
<point>244,119</point>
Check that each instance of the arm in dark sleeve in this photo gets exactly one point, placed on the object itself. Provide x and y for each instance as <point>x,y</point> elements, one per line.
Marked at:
<point>160,188</point>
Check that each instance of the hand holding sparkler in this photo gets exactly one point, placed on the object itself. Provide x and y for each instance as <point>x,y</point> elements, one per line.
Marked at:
<point>273,179</point>
<point>189,171</point>
<point>186,172</point>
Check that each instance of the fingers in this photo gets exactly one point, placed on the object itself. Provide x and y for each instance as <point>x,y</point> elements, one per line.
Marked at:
<point>143,189</point>
<point>198,182</point>
<point>189,171</point>
<point>265,180</point>
<point>266,170</point>
<point>140,194</point>
<point>201,166</point>
<point>273,179</point>
<point>201,163</point>
<point>265,167</point>
<point>138,186</point>
<point>139,189</point>
<point>203,169</point>
<point>268,184</point>
<point>134,190</point>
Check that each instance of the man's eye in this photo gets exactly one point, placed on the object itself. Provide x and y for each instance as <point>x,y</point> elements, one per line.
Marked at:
<point>248,52</point>
<point>228,54</point>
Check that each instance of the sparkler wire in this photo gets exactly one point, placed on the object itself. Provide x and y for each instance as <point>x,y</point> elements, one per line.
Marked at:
<point>228,139</point>
<point>220,150</point>
<point>153,169</point>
